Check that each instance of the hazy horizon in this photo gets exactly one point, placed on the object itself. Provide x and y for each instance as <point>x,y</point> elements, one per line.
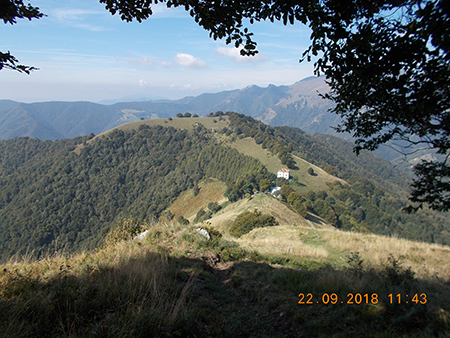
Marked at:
<point>85,54</point>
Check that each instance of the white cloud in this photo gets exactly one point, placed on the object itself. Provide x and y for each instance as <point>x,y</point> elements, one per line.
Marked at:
<point>166,64</point>
<point>235,55</point>
<point>143,83</point>
<point>160,10</point>
<point>143,61</point>
<point>189,61</point>
<point>77,18</point>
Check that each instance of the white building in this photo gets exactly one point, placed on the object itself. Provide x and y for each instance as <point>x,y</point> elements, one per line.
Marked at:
<point>283,173</point>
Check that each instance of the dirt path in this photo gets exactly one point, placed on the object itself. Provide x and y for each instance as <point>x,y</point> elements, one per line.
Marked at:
<point>279,321</point>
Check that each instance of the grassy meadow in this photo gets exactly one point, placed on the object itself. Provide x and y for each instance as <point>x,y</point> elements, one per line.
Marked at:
<point>316,182</point>
<point>216,123</point>
<point>300,278</point>
<point>175,282</point>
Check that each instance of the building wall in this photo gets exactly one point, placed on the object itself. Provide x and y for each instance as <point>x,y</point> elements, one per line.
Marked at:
<point>283,174</point>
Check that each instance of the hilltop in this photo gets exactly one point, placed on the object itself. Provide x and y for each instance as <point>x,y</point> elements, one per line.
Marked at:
<point>331,255</point>
<point>67,194</point>
<point>297,105</point>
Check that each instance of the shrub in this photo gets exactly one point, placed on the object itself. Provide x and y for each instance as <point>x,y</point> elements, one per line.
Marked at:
<point>395,274</point>
<point>264,185</point>
<point>183,221</point>
<point>247,221</point>
<point>214,207</point>
<point>202,216</point>
<point>125,230</point>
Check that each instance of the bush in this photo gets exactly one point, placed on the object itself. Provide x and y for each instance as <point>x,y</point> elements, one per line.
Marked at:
<point>264,185</point>
<point>395,274</point>
<point>202,216</point>
<point>247,221</point>
<point>183,221</point>
<point>214,207</point>
<point>124,231</point>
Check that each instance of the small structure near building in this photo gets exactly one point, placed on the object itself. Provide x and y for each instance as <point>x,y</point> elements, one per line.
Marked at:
<point>275,192</point>
<point>283,172</point>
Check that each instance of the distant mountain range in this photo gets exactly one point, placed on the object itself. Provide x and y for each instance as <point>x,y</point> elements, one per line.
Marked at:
<point>69,193</point>
<point>298,105</point>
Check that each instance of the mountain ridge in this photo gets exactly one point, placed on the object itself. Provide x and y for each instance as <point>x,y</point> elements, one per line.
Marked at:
<point>71,119</point>
<point>72,191</point>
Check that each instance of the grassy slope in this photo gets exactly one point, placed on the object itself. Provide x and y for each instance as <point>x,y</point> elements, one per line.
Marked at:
<point>266,204</point>
<point>176,283</point>
<point>307,182</point>
<point>184,123</point>
<point>299,237</point>
<point>187,205</point>
<point>181,123</point>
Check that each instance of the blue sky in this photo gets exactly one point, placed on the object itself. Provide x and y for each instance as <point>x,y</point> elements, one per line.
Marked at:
<point>85,54</point>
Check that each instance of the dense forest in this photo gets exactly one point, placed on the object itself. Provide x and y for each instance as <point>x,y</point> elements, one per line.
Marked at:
<point>54,198</point>
<point>374,200</point>
<point>51,198</point>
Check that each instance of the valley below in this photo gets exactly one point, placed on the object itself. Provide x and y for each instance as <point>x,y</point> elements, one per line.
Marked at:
<point>180,227</point>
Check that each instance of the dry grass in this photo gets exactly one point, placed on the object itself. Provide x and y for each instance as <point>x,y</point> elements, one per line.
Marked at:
<point>161,286</point>
<point>280,240</point>
<point>179,123</point>
<point>426,260</point>
<point>122,290</point>
<point>248,146</point>
<point>319,181</point>
<point>266,204</point>
<point>187,205</point>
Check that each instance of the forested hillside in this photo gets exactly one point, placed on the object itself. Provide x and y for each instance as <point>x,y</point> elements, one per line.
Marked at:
<point>374,200</point>
<point>51,198</point>
<point>298,104</point>
<point>54,198</point>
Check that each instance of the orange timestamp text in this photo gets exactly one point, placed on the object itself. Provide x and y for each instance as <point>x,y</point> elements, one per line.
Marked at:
<point>361,298</point>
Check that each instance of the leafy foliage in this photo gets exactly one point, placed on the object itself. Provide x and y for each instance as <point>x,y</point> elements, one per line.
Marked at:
<point>390,79</point>
<point>53,199</point>
<point>247,221</point>
<point>362,206</point>
<point>10,11</point>
<point>387,63</point>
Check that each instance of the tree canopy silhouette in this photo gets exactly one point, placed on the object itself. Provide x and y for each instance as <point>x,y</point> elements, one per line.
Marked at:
<point>10,11</point>
<point>387,63</point>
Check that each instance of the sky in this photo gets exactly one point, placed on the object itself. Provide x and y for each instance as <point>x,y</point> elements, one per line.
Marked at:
<point>85,54</point>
